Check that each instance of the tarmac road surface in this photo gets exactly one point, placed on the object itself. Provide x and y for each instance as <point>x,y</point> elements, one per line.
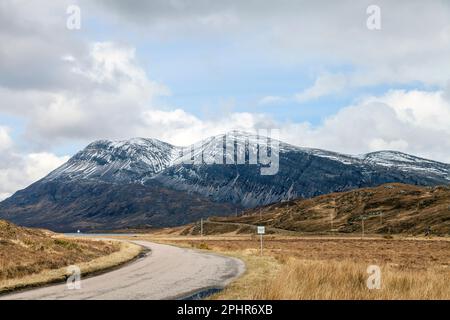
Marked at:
<point>167,272</point>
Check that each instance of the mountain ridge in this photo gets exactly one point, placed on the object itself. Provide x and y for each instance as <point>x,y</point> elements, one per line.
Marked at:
<point>390,156</point>
<point>197,181</point>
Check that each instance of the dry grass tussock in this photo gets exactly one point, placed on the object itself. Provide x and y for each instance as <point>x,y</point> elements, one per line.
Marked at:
<point>302,279</point>
<point>332,268</point>
<point>31,257</point>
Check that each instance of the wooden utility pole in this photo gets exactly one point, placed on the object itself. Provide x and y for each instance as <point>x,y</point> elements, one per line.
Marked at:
<point>201,227</point>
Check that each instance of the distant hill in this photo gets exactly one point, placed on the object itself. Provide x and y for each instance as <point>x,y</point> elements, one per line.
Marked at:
<point>146,183</point>
<point>390,208</point>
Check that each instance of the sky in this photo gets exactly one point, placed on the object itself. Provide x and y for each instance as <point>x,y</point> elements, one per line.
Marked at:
<point>183,70</point>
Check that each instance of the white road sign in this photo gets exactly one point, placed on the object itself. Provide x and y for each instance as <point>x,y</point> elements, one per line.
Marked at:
<point>261,230</point>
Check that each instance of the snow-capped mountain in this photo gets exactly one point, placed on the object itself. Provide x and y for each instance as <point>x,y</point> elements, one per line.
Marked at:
<point>389,159</point>
<point>116,184</point>
<point>139,159</point>
<point>407,163</point>
<point>303,172</point>
<point>118,161</point>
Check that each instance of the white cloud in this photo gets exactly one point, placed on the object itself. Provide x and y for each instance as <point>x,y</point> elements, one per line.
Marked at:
<point>117,104</point>
<point>18,170</point>
<point>181,128</point>
<point>38,165</point>
<point>34,37</point>
<point>422,109</point>
<point>114,96</point>
<point>219,19</point>
<point>24,169</point>
<point>381,144</point>
<point>3,196</point>
<point>325,84</point>
<point>269,100</point>
<point>5,139</point>
<point>416,122</point>
<point>313,34</point>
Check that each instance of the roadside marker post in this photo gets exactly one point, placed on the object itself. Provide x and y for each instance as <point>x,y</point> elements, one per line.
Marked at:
<point>362,218</point>
<point>363,228</point>
<point>261,230</point>
<point>331,222</point>
<point>201,227</point>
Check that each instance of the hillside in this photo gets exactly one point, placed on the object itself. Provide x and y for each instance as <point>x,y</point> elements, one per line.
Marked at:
<point>150,183</point>
<point>89,206</point>
<point>25,251</point>
<point>390,208</point>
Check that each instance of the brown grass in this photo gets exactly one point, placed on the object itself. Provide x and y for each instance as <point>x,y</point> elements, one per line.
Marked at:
<point>32,256</point>
<point>126,252</point>
<point>388,209</point>
<point>331,268</point>
<point>303,279</point>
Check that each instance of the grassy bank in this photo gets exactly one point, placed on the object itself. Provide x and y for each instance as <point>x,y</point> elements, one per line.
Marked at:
<point>33,257</point>
<point>332,268</point>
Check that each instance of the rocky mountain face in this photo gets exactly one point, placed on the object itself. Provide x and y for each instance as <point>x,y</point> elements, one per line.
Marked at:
<point>146,182</point>
<point>303,172</point>
<point>117,162</point>
<point>88,206</point>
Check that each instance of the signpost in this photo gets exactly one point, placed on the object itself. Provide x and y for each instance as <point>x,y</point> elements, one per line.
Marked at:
<point>261,230</point>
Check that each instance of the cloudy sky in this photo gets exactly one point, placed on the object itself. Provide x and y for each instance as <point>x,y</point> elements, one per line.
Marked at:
<point>182,70</point>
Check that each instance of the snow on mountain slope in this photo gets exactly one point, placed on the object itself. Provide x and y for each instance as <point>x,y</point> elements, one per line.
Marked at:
<point>138,159</point>
<point>389,159</point>
<point>304,172</point>
<point>406,162</point>
<point>340,157</point>
<point>118,161</point>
